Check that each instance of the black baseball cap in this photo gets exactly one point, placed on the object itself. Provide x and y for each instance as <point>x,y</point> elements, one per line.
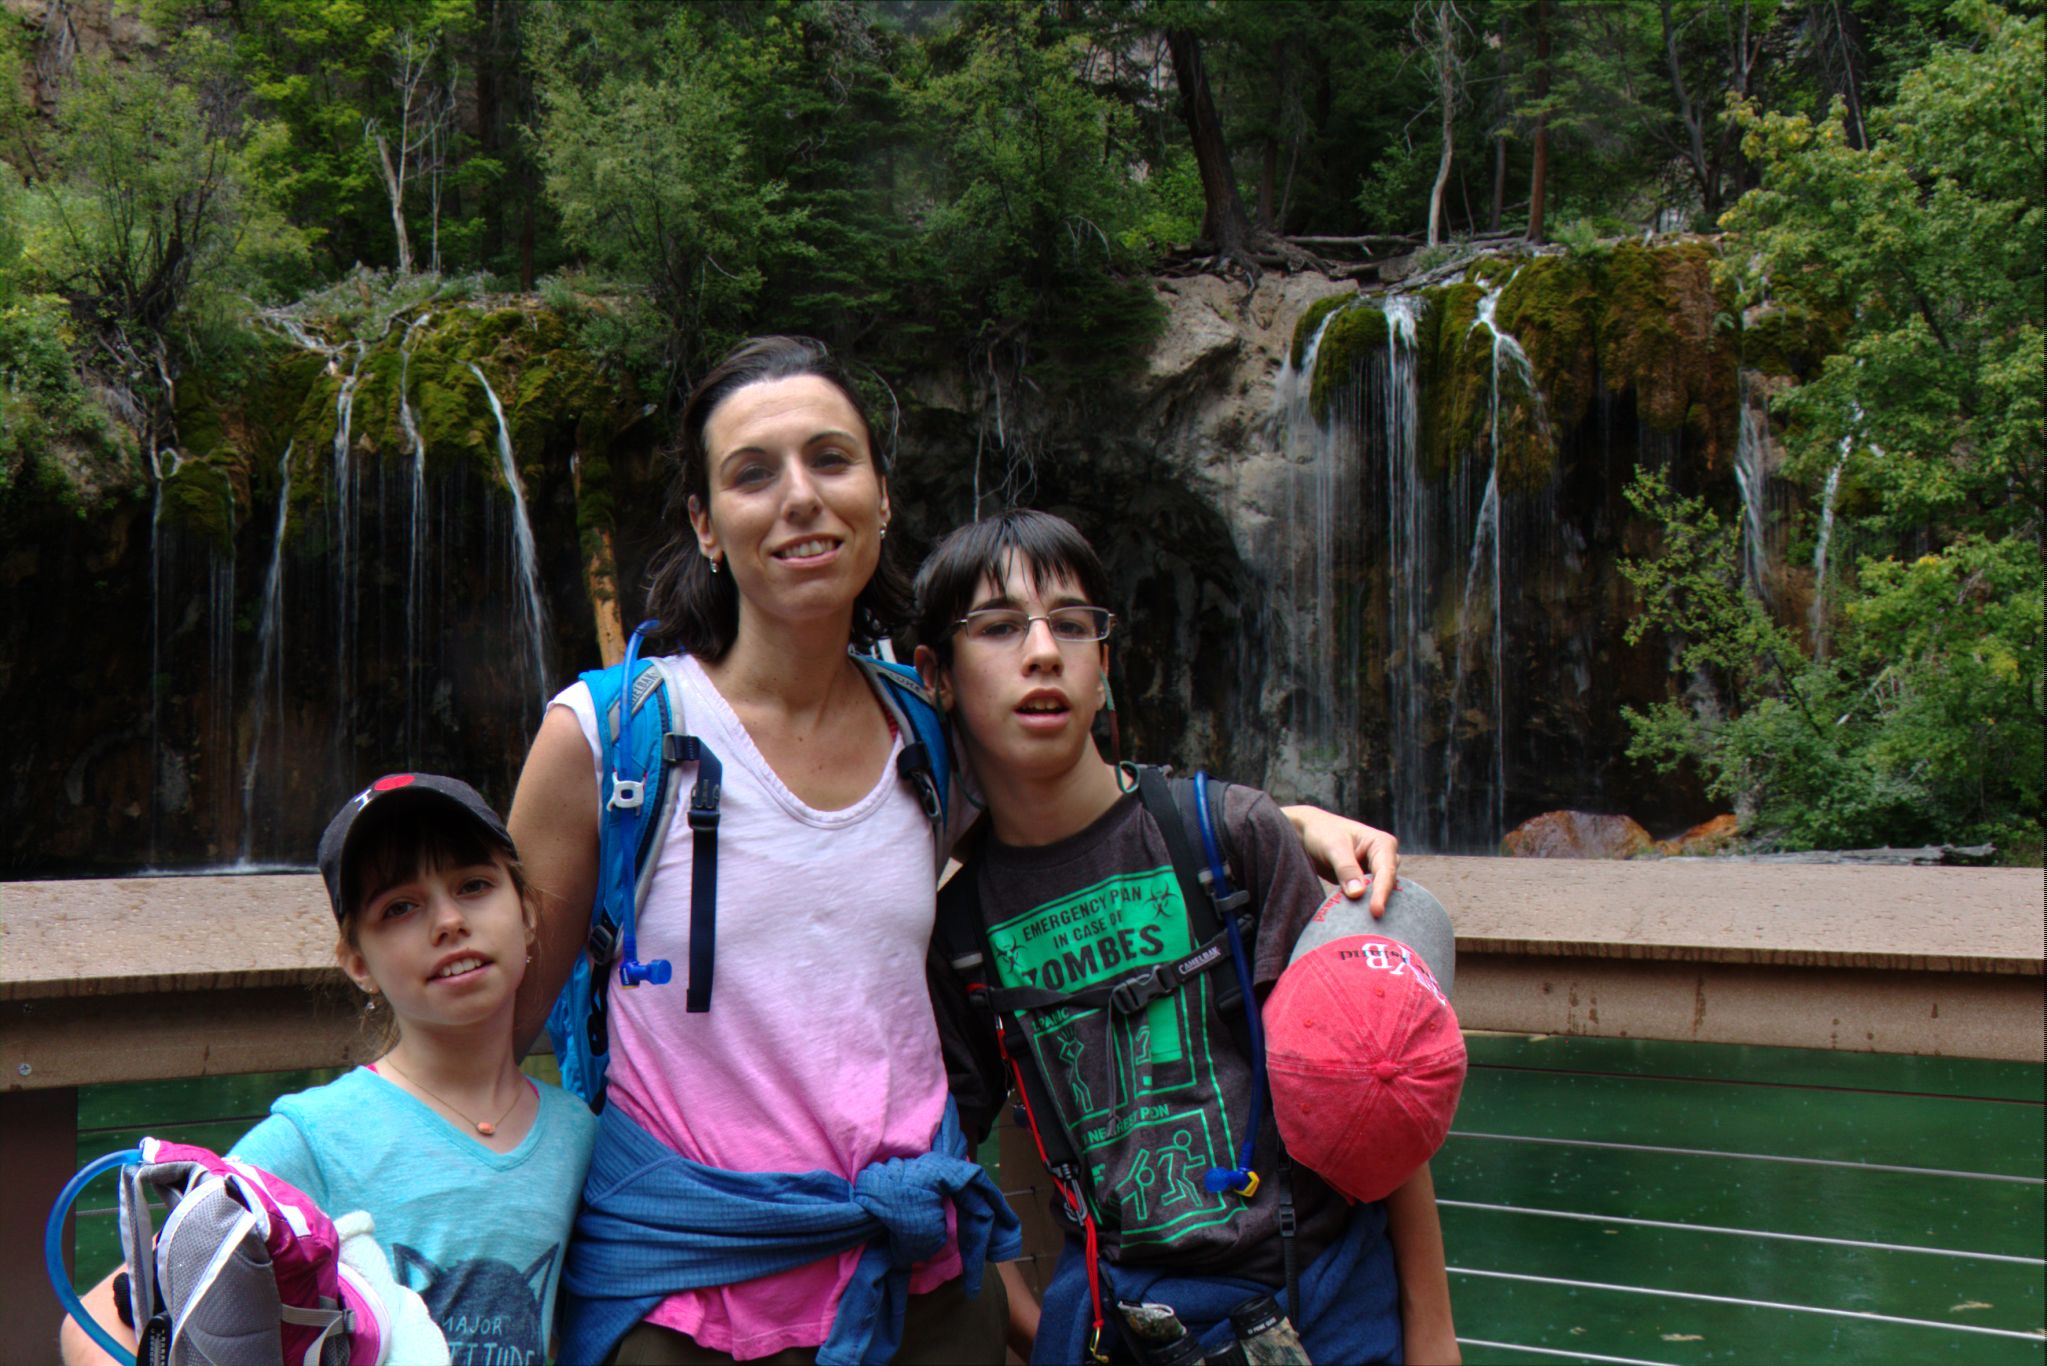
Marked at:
<point>390,795</point>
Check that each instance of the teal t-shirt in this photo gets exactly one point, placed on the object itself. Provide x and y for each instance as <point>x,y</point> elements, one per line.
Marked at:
<point>479,1234</point>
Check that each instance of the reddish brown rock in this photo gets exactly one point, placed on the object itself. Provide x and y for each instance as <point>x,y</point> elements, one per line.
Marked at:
<point>1576,834</point>
<point>1715,836</point>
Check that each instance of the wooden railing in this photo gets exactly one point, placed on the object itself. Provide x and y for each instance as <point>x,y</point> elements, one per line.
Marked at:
<point>139,979</point>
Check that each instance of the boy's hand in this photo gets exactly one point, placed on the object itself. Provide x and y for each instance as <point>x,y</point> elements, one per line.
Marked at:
<point>1345,851</point>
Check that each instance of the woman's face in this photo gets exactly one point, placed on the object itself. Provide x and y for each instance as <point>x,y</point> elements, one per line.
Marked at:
<point>797,504</point>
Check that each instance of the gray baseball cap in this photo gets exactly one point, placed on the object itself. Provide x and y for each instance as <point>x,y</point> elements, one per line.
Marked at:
<point>1413,916</point>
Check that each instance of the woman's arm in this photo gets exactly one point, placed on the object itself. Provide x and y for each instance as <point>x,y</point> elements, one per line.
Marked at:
<point>1416,1231</point>
<point>554,824</point>
<point>1338,845</point>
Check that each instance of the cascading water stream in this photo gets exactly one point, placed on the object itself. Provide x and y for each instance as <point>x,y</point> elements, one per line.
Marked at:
<point>162,465</point>
<point>1818,617</point>
<point>1319,454</point>
<point>1409,630</point>
<point>534,613</point>
<point>1487,535</point>
<point>1750,478</point>
<point>415,569</point>
<point>345,481</point>
<point>269,654</point>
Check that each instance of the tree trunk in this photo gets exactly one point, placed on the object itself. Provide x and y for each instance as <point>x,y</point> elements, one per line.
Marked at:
<point>1446,95</point>
<point>1224,224</point>
<point>600,578</point>
<point>1268,185</point>
<point>394,189</point>
<point>1539,172</point>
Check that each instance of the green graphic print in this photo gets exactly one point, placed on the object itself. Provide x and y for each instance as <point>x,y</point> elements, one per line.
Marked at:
<point>1138,1092</point>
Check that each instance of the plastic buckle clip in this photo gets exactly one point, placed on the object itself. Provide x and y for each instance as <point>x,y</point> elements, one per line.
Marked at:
<point>626,794</point>
<point>703,805</point>
<point>1134,993</point>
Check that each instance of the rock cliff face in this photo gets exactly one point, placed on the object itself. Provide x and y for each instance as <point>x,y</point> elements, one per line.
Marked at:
<point>1363,549</point>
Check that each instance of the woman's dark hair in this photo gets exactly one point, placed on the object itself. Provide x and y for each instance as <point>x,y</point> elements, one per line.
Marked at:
<point>1050,548</point>
<point>698,611</point>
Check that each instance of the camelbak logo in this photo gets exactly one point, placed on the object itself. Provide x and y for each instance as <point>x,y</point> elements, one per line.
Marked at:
<point>1201,960</point>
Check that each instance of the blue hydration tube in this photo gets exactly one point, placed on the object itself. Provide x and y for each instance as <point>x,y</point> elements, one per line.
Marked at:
<point>53,1250</point>
<point>1240,1178</point>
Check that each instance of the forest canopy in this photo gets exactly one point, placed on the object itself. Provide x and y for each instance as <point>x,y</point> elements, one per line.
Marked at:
<point>995,186</point>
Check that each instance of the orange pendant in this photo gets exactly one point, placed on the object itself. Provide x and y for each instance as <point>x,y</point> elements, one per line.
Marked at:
<point>486,1128</point>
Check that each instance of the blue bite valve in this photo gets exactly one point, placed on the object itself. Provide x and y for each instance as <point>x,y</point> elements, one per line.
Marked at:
<point>632,972</point>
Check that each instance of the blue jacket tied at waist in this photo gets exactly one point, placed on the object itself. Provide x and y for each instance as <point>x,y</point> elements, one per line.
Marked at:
<point>654,1223</point>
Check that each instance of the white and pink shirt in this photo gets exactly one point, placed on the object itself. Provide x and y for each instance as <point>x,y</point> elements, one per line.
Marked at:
<point>819,1050</point>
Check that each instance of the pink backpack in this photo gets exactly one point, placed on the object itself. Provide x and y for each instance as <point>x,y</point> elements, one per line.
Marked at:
<point>246,1270</point>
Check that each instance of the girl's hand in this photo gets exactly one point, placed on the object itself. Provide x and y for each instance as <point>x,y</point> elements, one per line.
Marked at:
<point>1345,851</point>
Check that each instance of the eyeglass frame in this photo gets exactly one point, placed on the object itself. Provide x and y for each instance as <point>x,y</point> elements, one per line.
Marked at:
<point>1108,623</point>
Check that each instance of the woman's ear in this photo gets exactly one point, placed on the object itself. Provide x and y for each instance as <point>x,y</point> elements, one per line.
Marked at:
<point>700,522</point>
<point>884,505</point>
<point>936,677</point>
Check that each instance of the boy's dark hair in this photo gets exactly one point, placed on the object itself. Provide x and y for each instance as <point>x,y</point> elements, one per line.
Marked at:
<point>394,845</point>
<point>1050,548</point>
<point>698,611</point>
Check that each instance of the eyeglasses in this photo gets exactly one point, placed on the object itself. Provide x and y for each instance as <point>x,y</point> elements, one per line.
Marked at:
<point>1007,626</point>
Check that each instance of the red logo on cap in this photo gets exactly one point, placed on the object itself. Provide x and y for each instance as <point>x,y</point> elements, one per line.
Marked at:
<point>391,782</point>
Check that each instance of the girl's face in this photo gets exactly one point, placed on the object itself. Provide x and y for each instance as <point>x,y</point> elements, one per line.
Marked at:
<point>797,504</point>
<point>445,947</point>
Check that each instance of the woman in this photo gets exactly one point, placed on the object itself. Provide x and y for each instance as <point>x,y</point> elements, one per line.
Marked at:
<point>821,1053</point>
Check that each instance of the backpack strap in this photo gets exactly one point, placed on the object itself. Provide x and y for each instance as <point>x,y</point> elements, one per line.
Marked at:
<point>925,763</point>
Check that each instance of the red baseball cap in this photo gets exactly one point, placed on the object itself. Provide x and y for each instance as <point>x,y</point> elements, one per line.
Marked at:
<point>1365,1061</point>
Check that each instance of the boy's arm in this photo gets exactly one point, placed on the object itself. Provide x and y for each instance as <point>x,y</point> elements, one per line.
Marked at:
<point>1338,845</point>
<point>1416,1232</point>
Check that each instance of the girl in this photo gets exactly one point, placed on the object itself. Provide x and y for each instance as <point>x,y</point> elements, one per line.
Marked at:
<point>820,1054</point>
<point>469,1168</point>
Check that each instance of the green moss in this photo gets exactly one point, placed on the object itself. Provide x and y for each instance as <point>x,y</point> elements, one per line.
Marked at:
<point>1304,330</point>
<point>1352,336</point>
<point>1552,309</point>
<point>1782,339</point>
<point>1456,370</point>
<point>1658,335</point>
<point>199,498</point>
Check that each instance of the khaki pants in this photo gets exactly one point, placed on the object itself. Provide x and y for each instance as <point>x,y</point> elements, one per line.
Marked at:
<point>942,1328</point>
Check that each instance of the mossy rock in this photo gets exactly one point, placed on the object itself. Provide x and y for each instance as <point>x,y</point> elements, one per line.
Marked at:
<point>1352,337</point>
<point>1455,361</point>
<point>199,498</point>
<point>1787,339</point>
<point>1552,308</point>
<point>1304,330</point>
<point>1659,335</point>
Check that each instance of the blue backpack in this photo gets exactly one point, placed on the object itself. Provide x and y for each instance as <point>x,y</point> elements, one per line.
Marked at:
<point>640,726</point>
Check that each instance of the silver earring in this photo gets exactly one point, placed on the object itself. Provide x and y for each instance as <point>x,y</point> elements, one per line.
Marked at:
<point>370,1004</point>
<point>714,564</point>
<point>884,531</point>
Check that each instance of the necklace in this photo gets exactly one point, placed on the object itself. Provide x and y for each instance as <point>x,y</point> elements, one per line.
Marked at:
<point>486,1127</point>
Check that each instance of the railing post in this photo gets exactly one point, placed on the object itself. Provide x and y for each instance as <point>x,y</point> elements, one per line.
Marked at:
<point>38,1154</point>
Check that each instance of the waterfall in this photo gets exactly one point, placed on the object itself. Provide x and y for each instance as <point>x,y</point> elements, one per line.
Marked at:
<point>1410,632</point>
<point>345,480</point>
<point>1819,550</point>
<point>415,576</point>
<point>1487,533</point>
<point>1750,477</point>
<point>534,614</point>
<point>269,654</point>
<point>159,779</point>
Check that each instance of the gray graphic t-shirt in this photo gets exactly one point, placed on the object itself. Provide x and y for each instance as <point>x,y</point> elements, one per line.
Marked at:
<point>1157,1098</point>
<point>479,1234</point>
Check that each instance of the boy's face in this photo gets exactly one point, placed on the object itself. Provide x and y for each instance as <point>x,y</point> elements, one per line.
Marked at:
<point>1025,696</point>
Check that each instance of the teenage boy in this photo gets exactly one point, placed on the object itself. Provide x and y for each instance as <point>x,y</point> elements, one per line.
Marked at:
<point>1075,888</point>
